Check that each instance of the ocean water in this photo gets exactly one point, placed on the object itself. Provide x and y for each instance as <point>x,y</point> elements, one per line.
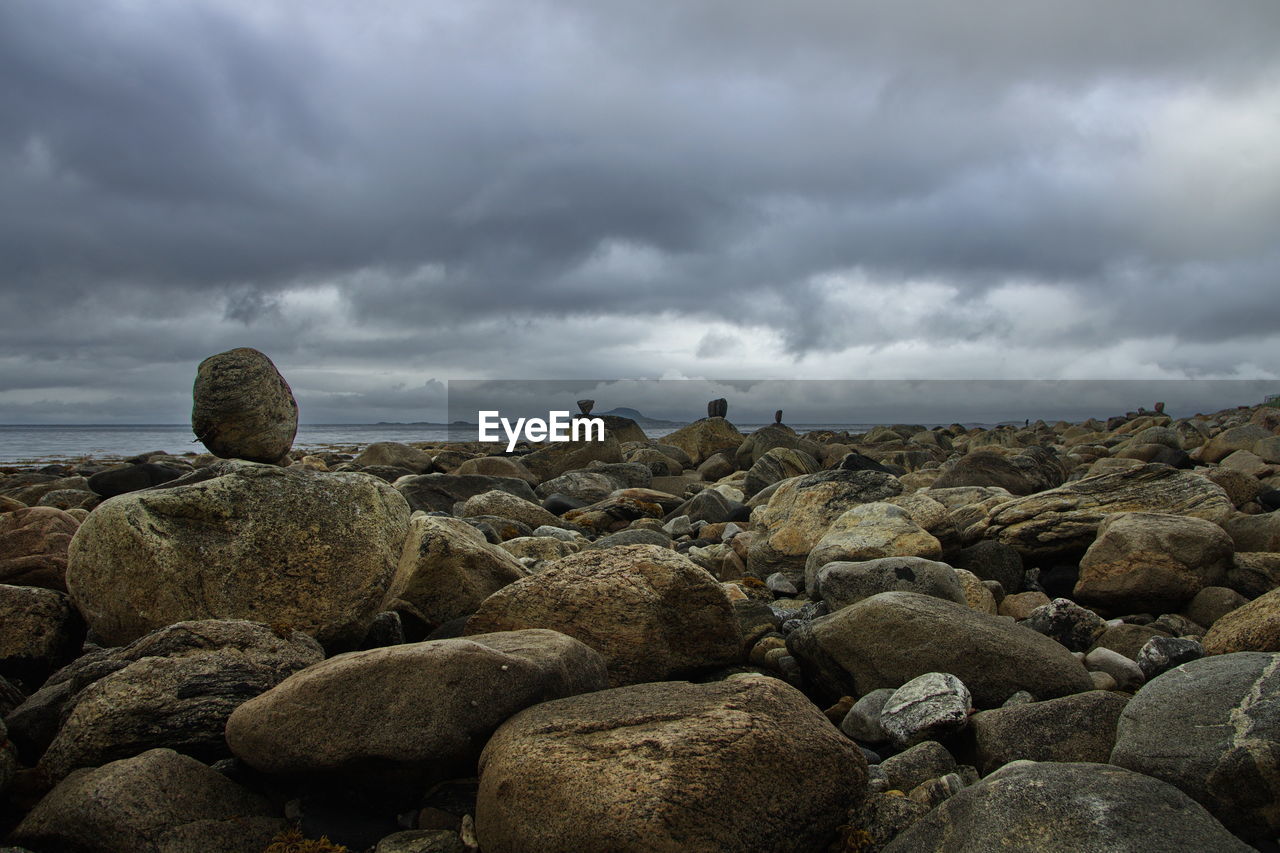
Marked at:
<point>30,444</point>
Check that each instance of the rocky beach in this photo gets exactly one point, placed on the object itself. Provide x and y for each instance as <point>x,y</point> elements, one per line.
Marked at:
<point>1049,637</point>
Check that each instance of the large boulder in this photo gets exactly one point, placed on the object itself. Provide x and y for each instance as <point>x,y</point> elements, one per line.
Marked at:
<point>131,805</point>
<point>1025,473</point>
<point>33,546</point>
<point>888,639</point>
<point>176,689</point>
<point>439,492</point>
<point>313,551</point>
<point>800,511</point>
<point>740,765</point>
<point>1150,561</point>
<point>409,714</point>
<point>447,569</point>
<point>1080,727</point>
<point>1212,728</point>
<point>242,408</point>
<point>870,532</point>
<point>1255,627</point>
<point>1066,519</point>
<point>653,613</point>
<point>1067,808</point>
<point>705,438</point>
<point>39,632</point>
<point>843,583</point>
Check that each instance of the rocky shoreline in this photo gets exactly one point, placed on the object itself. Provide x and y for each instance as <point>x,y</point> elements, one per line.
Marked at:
<point>1050,637</point>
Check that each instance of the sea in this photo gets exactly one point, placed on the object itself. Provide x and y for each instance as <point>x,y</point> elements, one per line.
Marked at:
<point>30,444</point>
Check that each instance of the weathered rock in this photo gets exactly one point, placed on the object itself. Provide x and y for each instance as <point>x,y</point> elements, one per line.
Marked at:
<point>497,466</point>
<point>1150,561</point>
<point>439,492</point>
<point>127,806</point>
<point>802,509</point>
<point>843,583</point>
<point>1255,627</point>
<point>1255,532</point>
<point>1068,623</point>
<point>1127,639</point>
<point>1067,808</point>
<point>976,593</point>
<point>447,569</point>
<point>634,536</point>
<point>740,765</point>
<point>1066,519</point>
<point>870,532</point>
<point>1228,441</point>
<point>180,700</point>
<point>1026,473</point>
<point>927,707</point>
<point>1240,487</point>
<point>539,548</point>
<point>707,505</point>
<point>767,438</point>
<point>1212,603</point>
<point>1124,671</point>
<point>242,408</point>
<point>626,475</point>
<point>1021,605</point>
<point>312,551</point>
<point>705,438</point>
<point>39,632</point>
<point>780,463</point>
<point>33,546</point>
<point>507,505</point>
<point>863,720</point>
<point>1254,573</point>
<point>922,762</point>
<point>1161,654</point>
<point>1212,728</point>
<point>587,486</point>
<point>992,561</point>
<point>130,478</point>
<point>890,638</point>
<point>1081,727</point>
<point>559,457</point>
<point>651,612</point>
<point>394,454</point>
<point>409,714</point>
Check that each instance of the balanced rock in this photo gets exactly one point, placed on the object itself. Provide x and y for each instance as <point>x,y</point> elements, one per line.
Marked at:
<point>1151,561</point>
<point>1067,808</point>
<point>410,714</point>
<point>651,612</point>
<point>1212,728</point>
<point>242,408</point>
<point>33,546</point>
<point>313,551</point>
<point>870,532</point>
<point>890,638</point>
<point>745,764</point>
<point>447,569</point>
<point>1080,727</point>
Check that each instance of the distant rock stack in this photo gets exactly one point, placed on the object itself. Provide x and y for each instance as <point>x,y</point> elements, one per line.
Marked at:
<point>777,416</point>
<point>718,408</point>
<point>242,408</point>
<point>585,406</point>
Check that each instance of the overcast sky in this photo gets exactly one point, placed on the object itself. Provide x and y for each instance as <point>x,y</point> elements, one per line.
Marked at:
<point>383,196</point>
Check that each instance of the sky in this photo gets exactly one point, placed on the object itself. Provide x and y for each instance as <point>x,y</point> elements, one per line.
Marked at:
<point>386,196</point>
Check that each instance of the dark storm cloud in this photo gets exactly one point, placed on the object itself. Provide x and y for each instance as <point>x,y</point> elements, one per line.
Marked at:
<point>499,188</point>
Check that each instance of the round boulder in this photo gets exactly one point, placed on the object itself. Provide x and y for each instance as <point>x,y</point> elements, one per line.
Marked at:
<point>242,408</point>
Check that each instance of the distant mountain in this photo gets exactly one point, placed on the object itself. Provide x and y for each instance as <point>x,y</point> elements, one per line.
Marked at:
<point>640,418</point>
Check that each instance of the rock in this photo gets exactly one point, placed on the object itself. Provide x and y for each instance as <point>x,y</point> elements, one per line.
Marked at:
<point>716,467</point>
<point>33,546</point>
<point>497,466</point>
<point>1161,654</point>
<point>862,723</point>
<point>1212,728</point>
<point>740,765</point>
<point>1066,807</point>
<point>802,509</point>
<point>616,512</point>
<point>630,537</point>
<point>234,835</point>
<point>651,612</point>
<point>858,462</point>
<point>1212,603</point>
<point>626,475</point>
<point>1127,639</point>
<point>843,583</point>
<point>657,463</point>
<point>282,545</point>
<point>447,569</point>
<point>992,561</point>
<point>780,463</point>
<point>928,707</point>
<point>586,486</point>
<point>707,505</point>
<point>1066,519</point>
<point>1268,449</point>
<point>976,593</point>
<point>1254,573</point>
<point>507,505</point>
<point>422,841</point>
<point>1068,623</point>
<point>539,548</point>
<point>176,689</point>
<point>881,818</point>
<point>1255,627</point>
<point>556,458</point>
<point>242,408</point>
<point>766,439</point>
<point>128,805</point>
<point>1228,441</point>
<point>1021,605</point>
<point>399,726</point>
<point>1149,561</point>
<point>439,492</point>
<point>705,438</point>
<point>890,638</point>
<point>1034,470</point>
<point>1240,487</point>
<point>130,478</point>
<point>394,454</point>
<point>870,532</point>
<point>1125,672</point>
<point>1081,727</point>
<point>39,632</point>
<point>779,584</point>
<point>922,762</point>
<point>1255,532</point>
